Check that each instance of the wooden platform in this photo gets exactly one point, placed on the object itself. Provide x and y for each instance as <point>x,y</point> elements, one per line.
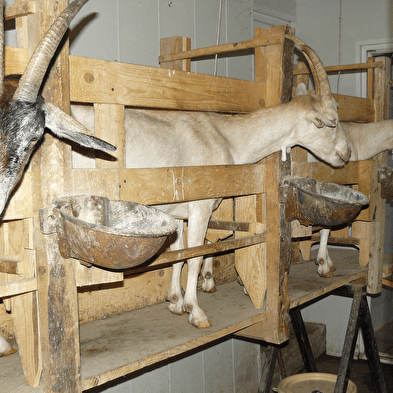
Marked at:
<point>121,344</point>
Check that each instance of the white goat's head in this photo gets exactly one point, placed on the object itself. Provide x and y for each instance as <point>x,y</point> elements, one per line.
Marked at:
<point>24,114</point>
<point>319,130</point>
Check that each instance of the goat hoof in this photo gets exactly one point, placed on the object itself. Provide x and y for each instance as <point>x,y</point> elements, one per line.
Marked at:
<point>176,309</point>
<point>212,290</point>
<point>327,275</point>
<point>202,324</point>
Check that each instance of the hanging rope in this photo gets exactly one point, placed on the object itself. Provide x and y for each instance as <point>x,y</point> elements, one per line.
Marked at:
<point>218,35</point>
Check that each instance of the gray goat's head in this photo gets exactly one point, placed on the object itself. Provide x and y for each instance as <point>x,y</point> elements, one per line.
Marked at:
<point>24,114</point>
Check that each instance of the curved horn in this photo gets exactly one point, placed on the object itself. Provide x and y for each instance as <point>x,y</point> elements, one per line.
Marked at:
<point>321,81</point>
<point>31,80</point>
<point>1,47</point>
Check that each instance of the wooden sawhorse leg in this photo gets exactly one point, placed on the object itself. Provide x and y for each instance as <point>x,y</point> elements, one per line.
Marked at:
<point>360,317</point>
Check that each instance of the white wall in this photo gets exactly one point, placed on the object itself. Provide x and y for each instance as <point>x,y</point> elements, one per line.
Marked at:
<point>318,24</point>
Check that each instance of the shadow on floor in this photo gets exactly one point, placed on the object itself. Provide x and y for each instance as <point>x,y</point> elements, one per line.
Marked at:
<point>360,373</point>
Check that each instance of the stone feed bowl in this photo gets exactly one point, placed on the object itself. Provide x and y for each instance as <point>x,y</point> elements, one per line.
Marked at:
<point>320,203</point>
<point>112,234</point>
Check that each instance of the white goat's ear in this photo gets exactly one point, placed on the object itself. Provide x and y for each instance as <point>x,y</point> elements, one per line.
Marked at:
<point>320,120</point>
<point>301,90</point>
<point>65,126</point>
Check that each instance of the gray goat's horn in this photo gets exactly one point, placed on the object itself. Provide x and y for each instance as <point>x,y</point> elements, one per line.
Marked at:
<point>1,47</point>
<point>31,80</point>
<point>321,80</point>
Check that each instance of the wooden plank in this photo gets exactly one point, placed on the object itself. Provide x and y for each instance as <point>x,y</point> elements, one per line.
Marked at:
<point>220,49</point>
<point>100,182</point>
<point>21,202</point>
<point>134,85</point>
<point>354,108</point>
<point>168,258</point>
<point>18,10</point>
<point>9,266</point>
<point>16,60</point>
<point>168,185</point>
<point>305,284</point>
<point>343,67</point>
<point>88,276</point>
<point>18,287</point>
<point>152,334</point>
<point>349,174</point>
<point>109,126</point>
<point>17,237</point>
<point>251,262</point>
<point>175,45</point>
<point>57,292</point>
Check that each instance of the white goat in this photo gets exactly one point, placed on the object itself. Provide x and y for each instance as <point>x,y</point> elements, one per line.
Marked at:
<point>365,141</point>
<point>173,138</point>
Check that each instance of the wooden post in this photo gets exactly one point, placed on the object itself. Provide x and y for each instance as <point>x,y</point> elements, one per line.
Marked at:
<point>382,77</point>
<point>176,45</point>
<point>57,295</point>
<point>275,326</point>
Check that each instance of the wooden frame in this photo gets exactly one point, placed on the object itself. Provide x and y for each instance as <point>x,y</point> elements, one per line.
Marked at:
<point>43,273</point>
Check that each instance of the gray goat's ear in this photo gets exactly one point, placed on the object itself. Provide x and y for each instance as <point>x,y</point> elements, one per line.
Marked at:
<point>65,126</point>
<point>301,90</point>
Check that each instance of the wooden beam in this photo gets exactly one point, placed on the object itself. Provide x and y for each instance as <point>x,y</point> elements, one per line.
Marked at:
<point>142,86</point>
<point>182,184</point>
<point>220,49</point>
<point>169,258</point>
<point>18,287</point>
<point>18,10</point>
<point>344,67</point>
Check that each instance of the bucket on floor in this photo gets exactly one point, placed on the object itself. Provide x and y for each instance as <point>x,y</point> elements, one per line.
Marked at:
<point>312,382</point>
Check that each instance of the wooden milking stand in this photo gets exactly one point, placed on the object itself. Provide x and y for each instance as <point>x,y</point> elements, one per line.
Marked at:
<point>48,330</point>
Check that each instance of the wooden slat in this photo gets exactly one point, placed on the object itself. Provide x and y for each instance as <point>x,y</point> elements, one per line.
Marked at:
<point>220,49</point>
<point>349,174</point>
<point>128,84</point>
<point>18,10</point>
<point>169,258</point>
<point>9,266</point>
<point>21,202</point>
<point>354,108</point>
<point>16,60</point>
<point>343,67</point>
<point>17,287</point>
<point>168,185</point>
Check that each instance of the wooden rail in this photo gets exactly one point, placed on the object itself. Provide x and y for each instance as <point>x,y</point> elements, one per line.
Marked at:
<point>220,49</point>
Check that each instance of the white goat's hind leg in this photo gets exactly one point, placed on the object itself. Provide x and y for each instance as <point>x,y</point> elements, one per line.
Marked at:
<point>208,284</point>
<point>5,347</point>
<point>175,295</point>
<point>325,264</point>
<point>199,215</point>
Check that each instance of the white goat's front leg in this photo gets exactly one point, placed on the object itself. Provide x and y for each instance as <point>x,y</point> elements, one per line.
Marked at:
<point>208,284</point>
<point>175,295</point>
<point>325,264</point>
<point>198,219</point>
<point>5,347</point>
